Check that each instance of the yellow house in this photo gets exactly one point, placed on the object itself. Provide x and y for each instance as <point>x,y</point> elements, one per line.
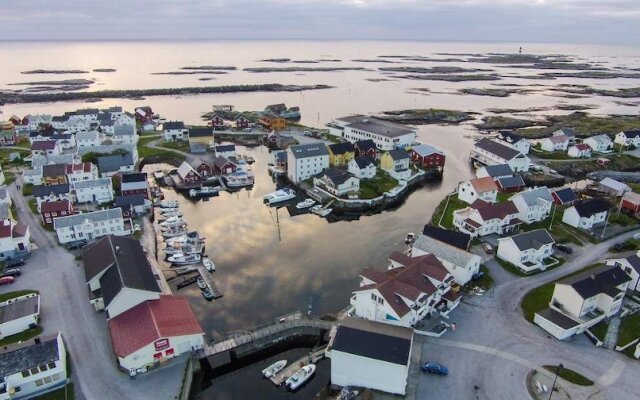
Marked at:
<point>396,163</point>
<point>340,154</point>
<point>273,122</point>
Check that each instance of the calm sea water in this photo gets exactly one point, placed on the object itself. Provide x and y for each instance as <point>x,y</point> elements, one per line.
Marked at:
<point>268,264</point>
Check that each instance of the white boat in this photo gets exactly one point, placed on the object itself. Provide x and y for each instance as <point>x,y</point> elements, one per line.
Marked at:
<point>410,237</point>
<point>238,180</point>
<point>173,233</point>
<point>190,237</point>
<point>184,259</point>
<point>186,249</point>
<point>299,378</point>
<point>208,264</point>
<point>201,283</point>
<point>206,293</point>
<point>172,220</point>
<point>170,214</point>
<point>168,204</point>
<point>249,159</point>
<point>169,210</point>
<point>279,195</point>
<point>274,368</point>
<point>205,191</point>
<point>318,210</point>
<point>305,204</point>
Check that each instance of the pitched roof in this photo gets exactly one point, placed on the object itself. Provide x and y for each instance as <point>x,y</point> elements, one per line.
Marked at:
<point>92,183</point>
<point>482,185</point>
<point>134,177</point>
<point>613,184</point>
<point>494,210</point>
<point>569,132</point>
<point>167,317</point>
<point>499,149</point>
<point>531,240</point>
<point>337,176</point>
<point>80,167</point>
<point>124,130</point>
<point>510,137</point>
<point>114,162</point>
<point>582,147</point>
<point>454,238</point>
<point>94,216</point>
<point>398,154</point>
<point>424,150</point>
<point>632,133</point>
<point>5,228</point>
<point>557,318</point>
<point>220,162</point>
<point>566,195</point>
<point>200,132</point>
<point>634,261</point>
<point>444,251</point>
<point>129,201</point>
<point>225,147</point>
<point>28,354</point>
<point>531,196</point>
<point>365,145</point>
<point>43,145</point>
<point>19,308</point>
<point>631,197</point>
<point>597,280</point>
<point>309,150</point>
<point>54,170</point>
<point>601,139</point>
<point>377,126</point>
<point>184,169</point>
<point>55,206</point>
<point>41,190</point>
<point>341,148</point>
<point>509,182</point>
<point>587,208</point>
<point>557,139</point>
<point>498,170</point>
<point>364,161</point>
<point>173,125</point>
<point>374,340</point>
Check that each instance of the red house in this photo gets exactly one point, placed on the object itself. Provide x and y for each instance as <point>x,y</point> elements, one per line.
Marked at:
<point>144,113</point>
<point>202,167</point>
<point>50,210</point>
<point>564,196</point>
<point>188,175</point>
<point>366,148</point>
<point>223,166</point>
<point>132,184</point>
<point>217,122</point>
<point>427,156</point>
<point>630,202</point>
<point>242,122</point>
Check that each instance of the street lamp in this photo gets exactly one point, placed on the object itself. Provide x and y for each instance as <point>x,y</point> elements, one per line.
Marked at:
<point>558,368</point>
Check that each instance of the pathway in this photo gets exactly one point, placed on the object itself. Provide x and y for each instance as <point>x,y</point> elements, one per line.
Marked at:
<point>611,337</point>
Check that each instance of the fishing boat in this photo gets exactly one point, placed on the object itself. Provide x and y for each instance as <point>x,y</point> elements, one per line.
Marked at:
<point>208,264</point>
<point>318,210</point>
<point>184,259</point>
<point>299,378</point>
<point>207,294</point>
<point>305,204</point>
<point>274,368</point>
<point>205,191</point>
<point>201,283</point>
<point>171,221</point>
<point>168,204</point>
<point>171,233</point>
<point>279,196</point>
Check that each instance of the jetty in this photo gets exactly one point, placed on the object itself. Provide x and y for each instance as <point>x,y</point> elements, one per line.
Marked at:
<point>208,278</point>
<point>311,358</point>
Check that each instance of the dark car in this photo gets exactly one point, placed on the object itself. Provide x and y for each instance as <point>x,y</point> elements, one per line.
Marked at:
<point>14,262</point>
<point>431,367</point>
<point>12,272</point>
<point>564,248</point>
<point>78,244</point>
<point>618,246</point>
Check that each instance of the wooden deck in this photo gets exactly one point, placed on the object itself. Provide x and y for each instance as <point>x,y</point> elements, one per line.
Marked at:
<point>208,278</point>
<point>311,358</point>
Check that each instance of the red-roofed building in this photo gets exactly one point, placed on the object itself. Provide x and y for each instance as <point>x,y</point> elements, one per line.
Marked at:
<point>154,332</point>
<point>410,290</point>
<point>45,148</point>
<point>482,218</point>
<point>81,172</point>
<point>14,239</point>
<point>50,210</point>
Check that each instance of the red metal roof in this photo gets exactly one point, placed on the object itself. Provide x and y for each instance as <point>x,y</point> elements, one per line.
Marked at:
<point>43,145</point>
<point>5,228</point>
<point>152,320</point>
<point>583,146</point>
<point>55,206</point>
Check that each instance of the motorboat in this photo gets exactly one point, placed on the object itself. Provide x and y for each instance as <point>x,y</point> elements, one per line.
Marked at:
<point>238,180</point>
<point>171,233</point>
<point>168,204</point>
<point>410,238</point>
<point>205,191</point>
<point>207,294</point>
<point>173,221</point>
<point>208,264</point>
<point>201,283</point>
<point>280,195</point>
<point>169,210</point>
<point>186,249</point>
<point>305,204</point>
<point>184,259</point>
<point>187,237</point>
<point>274,368</point>
<point>181,225</point>
<point>249,159</point>
<point>166,215</point>
<point>299,378</point>
<point>318,210</point>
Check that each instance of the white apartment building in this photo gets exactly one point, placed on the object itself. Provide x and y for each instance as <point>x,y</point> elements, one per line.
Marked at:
<point>386,135</point>
<point>89,226</point>
<point>306,160</point>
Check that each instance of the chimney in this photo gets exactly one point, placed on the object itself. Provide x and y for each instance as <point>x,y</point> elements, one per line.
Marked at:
<point>37,340</point>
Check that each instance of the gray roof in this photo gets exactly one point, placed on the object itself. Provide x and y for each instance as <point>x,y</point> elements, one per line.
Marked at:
<point>398,154</point>
<point>92,183</point>
<point>568,132</point>
<point>170,125</point>
<point>39,160</point>
<point>41,190</point>
<point>124,130</point>
<point>364,161</point>
<point>501,150</point>
<point>377,126</point>
<point>531,196</point>
<point>498,170</point>
<point>114,162</point>
<point>510,182</point>
<point>602,139</point>
<point>532,240</point>
<point>29,354</point>
<point>105,148</point>
<point>558,319</point>
<point>129,201</point>
<point>87,135</point>
<point>95,216</point>
<point>337,176</point>
<point>19,308</point>
<point>634,261</point>
<point>442,250</point>
<point>309,150</point>
<point>200,132</point>
<point>598,280</point>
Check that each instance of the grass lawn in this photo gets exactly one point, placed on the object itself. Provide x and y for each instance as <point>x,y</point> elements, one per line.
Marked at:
<point>22,336</point>
<point>145,152</point>
<point>561,232</point>
<point>17,293</point>
<point>179,145</point>
<point>4,156</point>
<point>371,188</point>
<point>570,375</point>
<point>619,162</point>
<point>556,155</point>
<point>447,220</point>
<point>629,329</point>
<point>27,189</point>
<point>627,245</point>
<point>33,205</point>
<point>599,330</point>
<point>65,393</point>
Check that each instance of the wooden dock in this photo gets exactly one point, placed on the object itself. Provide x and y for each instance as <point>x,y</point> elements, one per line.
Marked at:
<point>208,278</point>
<point>311,358</point>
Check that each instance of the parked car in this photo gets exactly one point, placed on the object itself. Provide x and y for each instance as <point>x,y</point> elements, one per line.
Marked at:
<point>246,130</point>
<point>78,244</point>
<point>487,248</point>
<point>6,280</point>
<point>636,236</point>
<point>564,248</point>
<point>12,272</point>
<point>14,262</point>
<point>618,246</point>
<point>306,133</point>
<point>431,367</point>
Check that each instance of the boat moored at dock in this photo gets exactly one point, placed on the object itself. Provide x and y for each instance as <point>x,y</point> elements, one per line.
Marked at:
<point>279,196</point>
<point>274,368</point>
<point>305,204</point>
<point>299,378</point>
<point>184,259</point>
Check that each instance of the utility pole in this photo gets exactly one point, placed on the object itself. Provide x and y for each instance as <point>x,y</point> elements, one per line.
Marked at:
<point>558,368</point>
<point>553,214</point>
<point>606,222</point>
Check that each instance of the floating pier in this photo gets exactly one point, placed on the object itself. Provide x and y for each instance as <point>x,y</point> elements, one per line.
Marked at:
<point>311,358</point>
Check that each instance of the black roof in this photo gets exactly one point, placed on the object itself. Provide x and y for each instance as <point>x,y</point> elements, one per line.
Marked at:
<point>373,344</point>
<point>173,125</point>
<point>200,132</point>
<point>566,195</point>
<point>557,318</point>
<point>533,239</point>
<point>510,182</point>
<point>136,177</point>
<point>225,147</point>
<point>456,239</point>
<point>398,154</point>
<point>341,148</point>
<point>365,145</point>
<point>509,136</point>
<point>54,170</point>
<point>632,133</point>
<point>128,201</point>
<point>19,308</point>
<point>598,280</point>
<point>337,176</point>
<point>42,190</point>
<point>364,161</point>
<point>498,170</point>
<point>499,149</point>
<point>587,208</point>
<point>634,261</point>
<point>114,162</point>
<point>29,354</point>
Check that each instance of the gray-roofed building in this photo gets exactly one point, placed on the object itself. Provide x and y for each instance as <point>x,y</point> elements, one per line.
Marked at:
<point>527,251</point>
<point>533,204</point>
<point>564,196</point>
<point>454,238</point>
<point>494,171</point>
<point>587,214</point>
<point>133,205</point>
<point>338,182</point>
<point>386,135</point>
<point>124,133</point>
<point>51,193</point>
<point>362,167</point>
<point>600,143</point>
<point>90,226</point>
<point>631,266</point>
<point>516,141</point>
<point>490,152</point>
<point>94,190</point>
<point>38,161</point>
<point>19,314</point>
<point>510,184</point>
<point>111,165</point>
<point>175,130</point>
<point>371,354</point>
<point>306,160</point>
<point>119,275</point>
<point>461,264</point>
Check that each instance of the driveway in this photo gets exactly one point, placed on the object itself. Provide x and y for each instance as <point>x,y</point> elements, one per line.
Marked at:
<point>65,307</point>
<point>494,347</point>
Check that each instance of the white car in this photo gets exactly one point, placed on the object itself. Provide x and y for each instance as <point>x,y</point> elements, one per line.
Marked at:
<point>636,236</point>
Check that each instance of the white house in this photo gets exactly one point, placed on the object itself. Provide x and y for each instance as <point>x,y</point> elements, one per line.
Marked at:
<point>481,219</point>
<point>118,275</point>
<point>175,130</point>
<point>124,134</point>
<point>52,193</point>
<point>406,293</point>
<point>484,189</point>
<point>225,150</point>
<point>363,167</point>
<point>81,172</point>
<point>19,314</point>
<point>631,266</point>
<point>89,226</point>
<point>490,152</point>
<point>554,143</point>
<point>89,139</point>
<point>33,121</point>
<point>153,332</point>
<point>495,171</point>
<point>98,190</point>
<point>628,138</point>
<point>338,182</point>
<point>599,143</point>
<point>65,141</point>
<point>585,214</point>
<point>613,187</point>
<point>45,148</point>
<point>527,251</point>
<point>517,142</point>
<point>386,135</point>
<point>396,163</point>
<point>371,355</point>
<point>458,262</point>
<point>581,150</point>
<point>581,301</point>
<point>533,204</point>
<point>33,367</point>
<point>568,132</point>
<point>306,160</point>
<point>32,176</point>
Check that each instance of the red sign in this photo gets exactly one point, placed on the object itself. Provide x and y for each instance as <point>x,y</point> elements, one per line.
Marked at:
<point>161,344</point>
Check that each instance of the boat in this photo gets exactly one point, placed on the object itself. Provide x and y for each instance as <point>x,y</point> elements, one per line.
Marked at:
<point>184,259</point>
<point>318,210</point>
<point>187,249</point>
<point>208,264</point>
<point>238,180</point>
<point>169,210</point>
<point>207,294</point>
<point>201,283</point>
<point>173,233</point>
<point>410,237</point>
<point>299,378</point>
<point>249,159</point>
<point>174,226</point>
<point>173,221</point>
<point>279,195</point>
<point>165,216</point>
<point>305,204</point>
<point>274,368</point>
<point>190,237</point>
<point>168,204</point>
<point>205,191</point>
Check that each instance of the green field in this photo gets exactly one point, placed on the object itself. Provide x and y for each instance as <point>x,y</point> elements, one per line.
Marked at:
<point>372,188</point>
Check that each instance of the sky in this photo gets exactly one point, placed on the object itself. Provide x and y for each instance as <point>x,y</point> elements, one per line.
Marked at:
<point>559,21</point>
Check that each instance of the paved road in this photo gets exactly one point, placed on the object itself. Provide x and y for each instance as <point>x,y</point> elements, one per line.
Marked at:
<point>494,347</point>
<point>65,307</point>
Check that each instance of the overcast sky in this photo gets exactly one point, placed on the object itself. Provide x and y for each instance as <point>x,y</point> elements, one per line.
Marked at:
<point>565,21</point>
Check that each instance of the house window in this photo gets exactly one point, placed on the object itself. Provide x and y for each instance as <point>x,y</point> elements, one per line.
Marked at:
<point>34,371</point>
<point>43,367</point>
<point>39,382</point>
<point>25,373</point>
